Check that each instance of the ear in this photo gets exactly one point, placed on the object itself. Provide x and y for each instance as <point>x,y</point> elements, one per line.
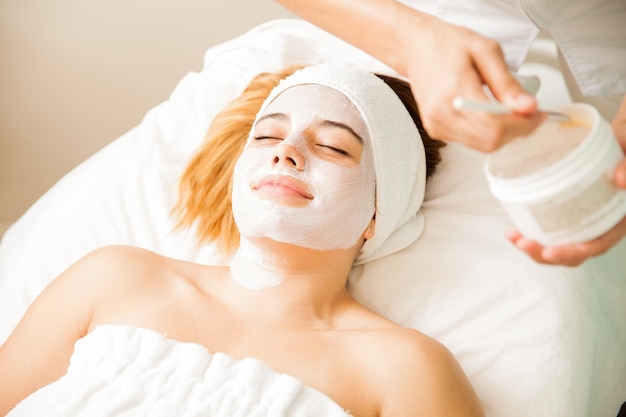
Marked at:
<point>369,230</point>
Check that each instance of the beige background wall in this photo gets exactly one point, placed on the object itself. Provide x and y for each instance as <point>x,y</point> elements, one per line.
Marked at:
<point>75,74</point>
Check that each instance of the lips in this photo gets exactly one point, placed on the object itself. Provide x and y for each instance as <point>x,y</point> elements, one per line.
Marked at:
<point>282,185</point>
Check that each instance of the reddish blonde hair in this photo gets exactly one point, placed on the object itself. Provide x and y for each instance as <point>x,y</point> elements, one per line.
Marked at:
<point>205,188</point>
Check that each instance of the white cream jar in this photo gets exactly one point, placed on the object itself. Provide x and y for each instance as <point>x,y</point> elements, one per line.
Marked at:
<point>556,184</point>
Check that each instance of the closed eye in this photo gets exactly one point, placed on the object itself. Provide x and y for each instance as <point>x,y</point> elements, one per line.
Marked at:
<point>332,148</point>
<point>261,137</point>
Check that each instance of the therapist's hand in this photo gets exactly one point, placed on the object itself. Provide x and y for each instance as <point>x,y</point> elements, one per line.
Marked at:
<point>569,255</point>
<point>443,61</point>
<point>576,254</point>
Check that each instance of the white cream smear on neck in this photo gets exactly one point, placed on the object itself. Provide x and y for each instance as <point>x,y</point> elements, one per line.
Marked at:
<point>342,203</point>
<point>252,269</point>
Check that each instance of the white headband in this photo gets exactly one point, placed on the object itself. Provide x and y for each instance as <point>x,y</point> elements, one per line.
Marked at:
<point>399,157</point>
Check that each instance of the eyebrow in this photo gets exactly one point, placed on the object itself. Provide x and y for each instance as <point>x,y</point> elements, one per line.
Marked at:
<point>342,126</point>
<point>331,123</point>
<point>275,116</point>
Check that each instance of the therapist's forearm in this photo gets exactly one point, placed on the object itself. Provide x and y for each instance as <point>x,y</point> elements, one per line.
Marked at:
<point>374,26</point>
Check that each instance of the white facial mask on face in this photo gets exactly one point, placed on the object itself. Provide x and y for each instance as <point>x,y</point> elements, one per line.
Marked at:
<point>292,186</point>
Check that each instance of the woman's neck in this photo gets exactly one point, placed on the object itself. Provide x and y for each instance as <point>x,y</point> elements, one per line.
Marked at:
<point>301,282</point>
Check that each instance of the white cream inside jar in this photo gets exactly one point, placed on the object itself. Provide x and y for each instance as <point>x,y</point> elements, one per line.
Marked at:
<point>556,184</point>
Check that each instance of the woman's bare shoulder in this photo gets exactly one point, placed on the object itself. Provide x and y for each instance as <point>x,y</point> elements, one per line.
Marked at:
<point>128,280</point>
<point>133,263</point>
<point>389,339</point>
<point>107,267</point>
<point>120,256</point>
<point>396,346</point>
<point>417,375</point>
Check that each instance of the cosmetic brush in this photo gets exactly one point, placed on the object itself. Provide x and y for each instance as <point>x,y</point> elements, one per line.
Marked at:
<point>494,107</point>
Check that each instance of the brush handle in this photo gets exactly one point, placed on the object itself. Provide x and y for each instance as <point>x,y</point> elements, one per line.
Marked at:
<point>494,107</point>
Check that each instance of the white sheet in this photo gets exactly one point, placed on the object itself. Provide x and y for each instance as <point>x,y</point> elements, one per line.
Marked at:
<point>534,340</point>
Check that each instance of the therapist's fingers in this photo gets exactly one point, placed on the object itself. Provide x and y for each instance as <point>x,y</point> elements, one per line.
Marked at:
<point>479,130</point>
<point>490,64</point>
<point>492,131</point>
<point>484,131</point>
<point>619,177</point>
<point>569,255</point>
<point>576,254</point>
<point>530,247</point>
<point>452,69</point>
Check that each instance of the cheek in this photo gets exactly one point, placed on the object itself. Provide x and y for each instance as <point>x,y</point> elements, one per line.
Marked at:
<point>246,165</point>
<point>241,166</point>
<point>249,161</point>
<point>343,185</point>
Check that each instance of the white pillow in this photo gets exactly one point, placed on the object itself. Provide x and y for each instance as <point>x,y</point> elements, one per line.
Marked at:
<point>534,340</point>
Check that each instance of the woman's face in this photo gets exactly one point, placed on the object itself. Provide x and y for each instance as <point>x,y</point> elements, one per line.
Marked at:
<point>306,176</point>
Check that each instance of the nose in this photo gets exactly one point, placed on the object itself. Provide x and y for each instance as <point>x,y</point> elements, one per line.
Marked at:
<point>288,154</point>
